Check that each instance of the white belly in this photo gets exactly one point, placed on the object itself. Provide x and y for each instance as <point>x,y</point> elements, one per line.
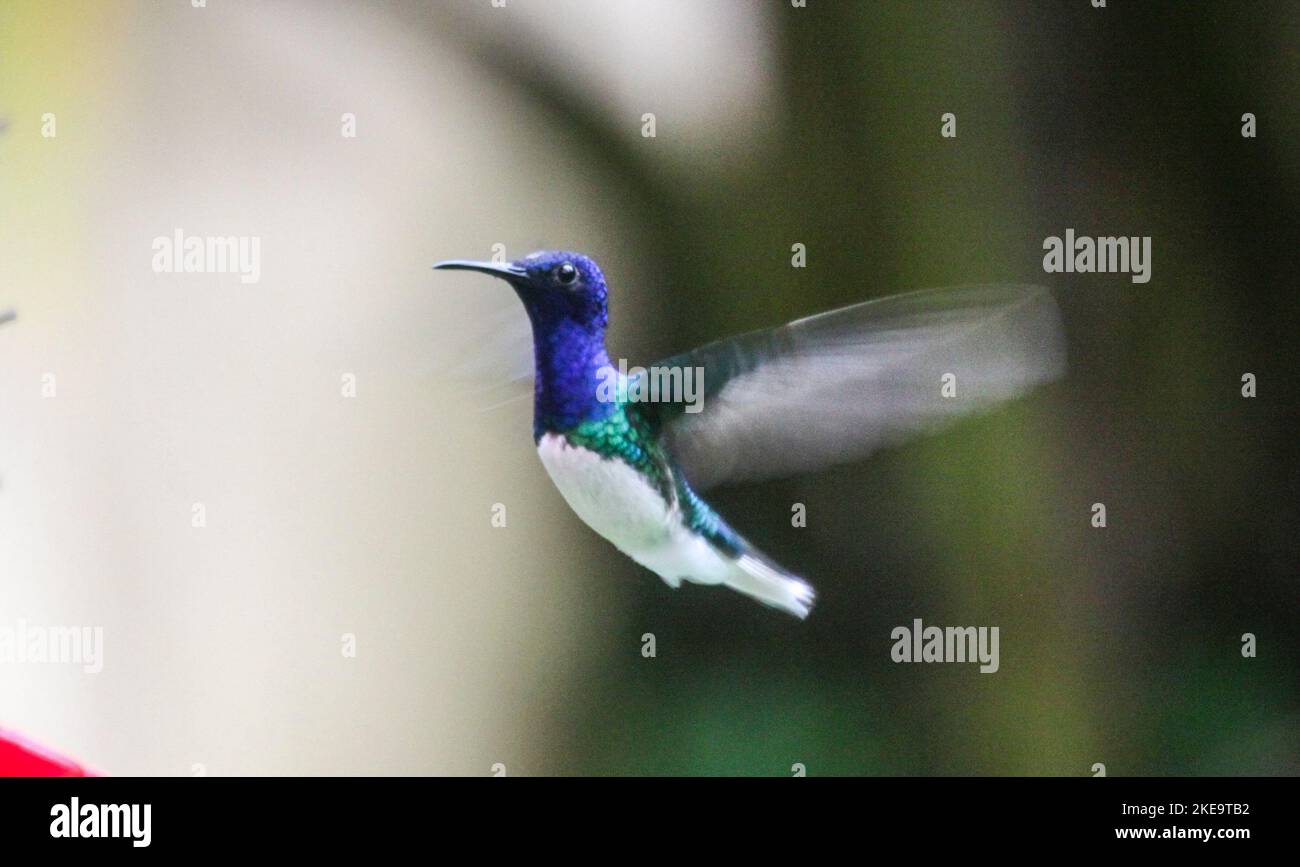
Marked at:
<point>615,501</point>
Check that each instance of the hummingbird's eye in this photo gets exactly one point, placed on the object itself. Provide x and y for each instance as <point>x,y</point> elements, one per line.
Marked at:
<point>566,274</point>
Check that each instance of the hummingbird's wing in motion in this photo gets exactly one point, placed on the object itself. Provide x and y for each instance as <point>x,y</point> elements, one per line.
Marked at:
<point>833,388</point>
<point>492,365</point>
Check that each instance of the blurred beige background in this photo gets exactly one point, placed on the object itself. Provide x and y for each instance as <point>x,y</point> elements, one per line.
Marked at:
<point>324,515</point>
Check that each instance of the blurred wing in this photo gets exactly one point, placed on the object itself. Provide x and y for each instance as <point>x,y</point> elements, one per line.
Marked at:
<point>492,363</point>
<point>835,387</point>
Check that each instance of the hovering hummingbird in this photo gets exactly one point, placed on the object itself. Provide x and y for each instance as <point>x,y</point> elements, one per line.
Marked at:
<point>816,392</point>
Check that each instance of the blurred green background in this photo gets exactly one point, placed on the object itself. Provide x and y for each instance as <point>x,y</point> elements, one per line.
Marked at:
<point>1120,645</point>
<point>775,125</point>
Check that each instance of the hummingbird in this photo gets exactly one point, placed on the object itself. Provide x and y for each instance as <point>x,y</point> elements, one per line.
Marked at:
<point>820,391</point>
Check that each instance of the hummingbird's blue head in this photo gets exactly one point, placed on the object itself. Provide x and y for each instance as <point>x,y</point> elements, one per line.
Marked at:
<point>558,288</point>
<point>564,294</point>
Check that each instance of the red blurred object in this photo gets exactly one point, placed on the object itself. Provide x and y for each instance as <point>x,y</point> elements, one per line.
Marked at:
<point>20,757</point>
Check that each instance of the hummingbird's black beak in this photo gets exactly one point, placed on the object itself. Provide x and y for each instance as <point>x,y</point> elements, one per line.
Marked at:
<point>512,273</point>
<point>7,316</point>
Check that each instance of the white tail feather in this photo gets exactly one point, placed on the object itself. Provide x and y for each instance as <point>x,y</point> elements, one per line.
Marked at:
<point>769,585</point>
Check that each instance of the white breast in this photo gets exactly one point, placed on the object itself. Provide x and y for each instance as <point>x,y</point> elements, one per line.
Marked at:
<point>611,497</point>
<point>619,504</point>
